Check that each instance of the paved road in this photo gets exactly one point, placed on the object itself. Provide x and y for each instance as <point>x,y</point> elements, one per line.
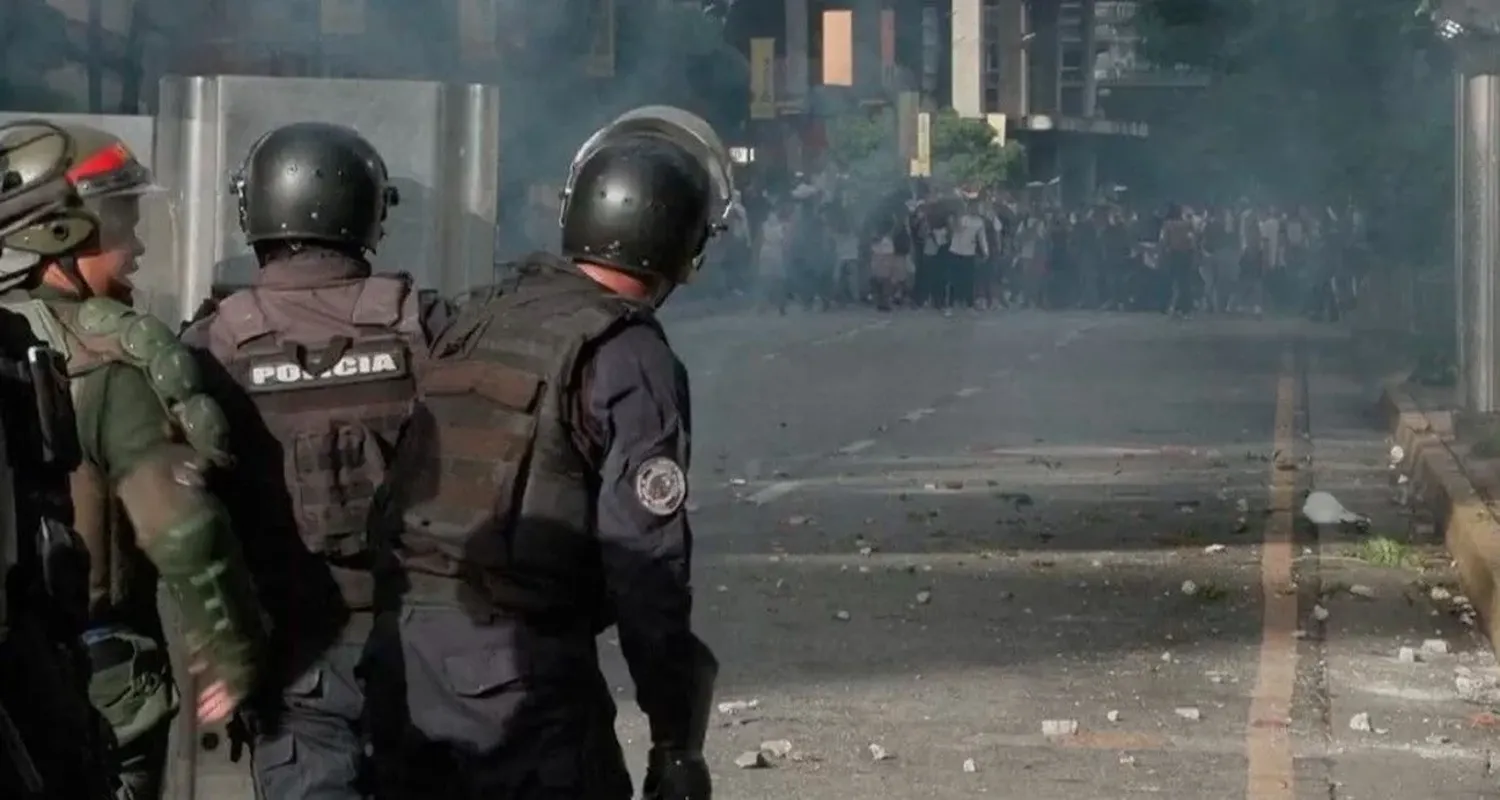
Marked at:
<point>949,537</point>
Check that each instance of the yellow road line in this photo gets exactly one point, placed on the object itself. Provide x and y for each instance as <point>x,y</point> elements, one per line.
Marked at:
<point>1268,745</point>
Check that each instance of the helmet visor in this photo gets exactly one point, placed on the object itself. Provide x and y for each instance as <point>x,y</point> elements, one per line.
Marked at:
<point>683,128</point>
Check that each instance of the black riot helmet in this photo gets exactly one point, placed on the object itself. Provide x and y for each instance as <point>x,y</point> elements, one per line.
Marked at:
<point>641,205</point>
<point>314,182</point>
<point>645,193</point>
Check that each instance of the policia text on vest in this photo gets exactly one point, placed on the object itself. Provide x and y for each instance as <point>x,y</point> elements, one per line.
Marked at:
<point>353,367</point>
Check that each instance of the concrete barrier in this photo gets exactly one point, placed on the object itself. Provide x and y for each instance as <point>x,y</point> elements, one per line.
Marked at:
<point>1463,512</point>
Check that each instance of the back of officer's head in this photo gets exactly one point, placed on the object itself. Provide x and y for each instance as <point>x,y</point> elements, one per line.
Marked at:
<point>313,187</point>
<point>640,204</point>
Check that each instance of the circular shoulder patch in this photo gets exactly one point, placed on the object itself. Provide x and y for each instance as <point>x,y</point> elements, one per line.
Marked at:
<point>661,486</point>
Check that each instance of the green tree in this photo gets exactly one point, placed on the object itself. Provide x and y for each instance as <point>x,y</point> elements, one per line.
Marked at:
<point>863,144</point>
<point>964,152</point>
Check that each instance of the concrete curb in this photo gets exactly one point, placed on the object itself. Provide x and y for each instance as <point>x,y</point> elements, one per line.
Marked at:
<point>1470,526</point>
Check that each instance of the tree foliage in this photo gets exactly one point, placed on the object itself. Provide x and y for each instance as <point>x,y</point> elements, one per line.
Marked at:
<point>1318,101</point>
<point>963,150</point>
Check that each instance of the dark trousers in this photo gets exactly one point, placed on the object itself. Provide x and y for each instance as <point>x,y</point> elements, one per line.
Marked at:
<point>313,746</point>
<point>963,272</point>
<point>925,278</point>
<point>1184,278</point>
<point>466,708</point>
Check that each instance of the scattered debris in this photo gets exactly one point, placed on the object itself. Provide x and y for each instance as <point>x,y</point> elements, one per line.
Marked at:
<point>1323,508</point>
<point>1112,715</point>
<point>1360,722</point>
<point>1480,689</point>
<point>798,520</point>
<point>1362,591</point>
<point>1320,613</point>
<point>841,615</point>
<point>1059,727</point>
<point>878,753</point>
<point>1189,588</point>
<point>924,597</point>
<point>778,748</point>
<point>1215,548</point>
<point>970,766</point>
<point>1189,713</point>
<point>738,706</point>
<point>1242,505</point>
<point>1435,647</point>
<point>753,759</point>
<point>1439,594</point>
<point>1407,655</point>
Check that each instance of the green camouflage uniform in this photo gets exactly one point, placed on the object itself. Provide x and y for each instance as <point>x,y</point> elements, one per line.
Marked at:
<point>148,437</point>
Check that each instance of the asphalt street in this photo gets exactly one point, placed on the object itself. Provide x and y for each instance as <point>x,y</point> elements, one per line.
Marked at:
<point>1061,555</point>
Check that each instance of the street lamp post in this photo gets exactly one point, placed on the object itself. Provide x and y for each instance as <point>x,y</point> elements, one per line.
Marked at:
<point>1473,29</point>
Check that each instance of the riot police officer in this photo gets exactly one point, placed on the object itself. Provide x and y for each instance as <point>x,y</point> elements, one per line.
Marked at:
<point>538,496</point>
<point>323,352</point>
<point>149,440</point>
<point>51,742</point>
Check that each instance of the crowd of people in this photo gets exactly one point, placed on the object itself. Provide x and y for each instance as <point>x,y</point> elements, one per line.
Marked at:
<point>952,250</point>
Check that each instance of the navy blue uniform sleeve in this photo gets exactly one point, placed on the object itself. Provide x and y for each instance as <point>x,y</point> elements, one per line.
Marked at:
<point>637,405</point>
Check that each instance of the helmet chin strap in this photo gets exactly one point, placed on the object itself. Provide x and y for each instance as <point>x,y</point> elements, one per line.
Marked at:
<point>68,264</point>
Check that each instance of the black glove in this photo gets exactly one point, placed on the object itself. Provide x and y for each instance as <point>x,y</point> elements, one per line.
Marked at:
<point>676,775</point>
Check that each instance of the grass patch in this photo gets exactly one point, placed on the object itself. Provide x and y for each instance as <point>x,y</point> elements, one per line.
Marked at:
<point>1383,551</point>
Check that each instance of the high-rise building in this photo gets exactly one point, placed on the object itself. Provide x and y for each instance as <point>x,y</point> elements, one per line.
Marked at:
<point>1034,62</point>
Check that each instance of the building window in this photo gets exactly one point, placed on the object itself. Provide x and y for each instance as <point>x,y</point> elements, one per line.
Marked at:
<point>991,98</point>
<point>991,60</point>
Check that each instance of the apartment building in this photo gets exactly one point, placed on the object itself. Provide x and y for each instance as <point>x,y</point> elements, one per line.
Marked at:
<point>1035,62</point>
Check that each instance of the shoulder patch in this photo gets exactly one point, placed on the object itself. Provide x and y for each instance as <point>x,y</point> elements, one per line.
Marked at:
<point>279,373</point>
<point>661,486</point>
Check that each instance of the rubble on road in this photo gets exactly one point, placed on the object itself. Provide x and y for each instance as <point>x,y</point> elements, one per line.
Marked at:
<point>1059,727</point>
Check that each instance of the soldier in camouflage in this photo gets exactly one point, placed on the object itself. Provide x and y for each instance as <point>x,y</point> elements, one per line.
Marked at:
<point>52,745</point>
<point>148,438</point>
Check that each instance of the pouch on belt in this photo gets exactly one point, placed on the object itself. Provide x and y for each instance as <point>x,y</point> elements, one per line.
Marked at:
<point>131,684</point>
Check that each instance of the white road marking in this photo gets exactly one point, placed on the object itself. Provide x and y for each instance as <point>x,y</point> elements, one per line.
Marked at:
<point>969,391</point>
<point>857,447</point>
<point>851,333</point>
<point>1034,357</point>
<point>913,416</point>
<point>774,491</point>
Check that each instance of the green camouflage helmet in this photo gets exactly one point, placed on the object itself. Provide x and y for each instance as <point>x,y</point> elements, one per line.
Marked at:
<point>60,172</point>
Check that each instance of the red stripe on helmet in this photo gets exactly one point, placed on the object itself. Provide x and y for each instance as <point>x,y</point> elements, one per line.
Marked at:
<point>110,159</point>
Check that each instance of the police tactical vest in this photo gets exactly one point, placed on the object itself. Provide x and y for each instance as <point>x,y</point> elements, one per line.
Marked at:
<point>331,371</point>
<point>493,484</point>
